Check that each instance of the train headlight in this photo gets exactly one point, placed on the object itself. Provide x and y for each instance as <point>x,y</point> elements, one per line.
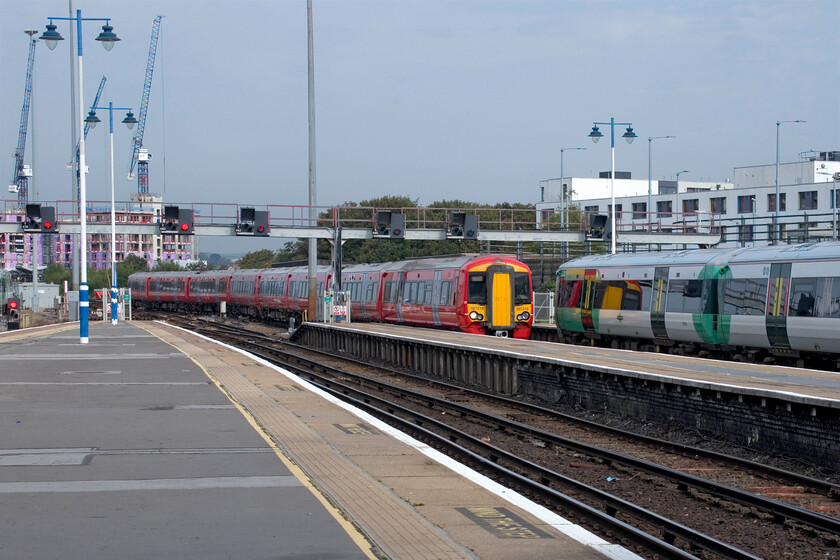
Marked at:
<point>524,316</point>
<point>476,316</point>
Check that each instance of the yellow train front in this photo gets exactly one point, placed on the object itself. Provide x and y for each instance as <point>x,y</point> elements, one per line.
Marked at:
<point>497,299</point>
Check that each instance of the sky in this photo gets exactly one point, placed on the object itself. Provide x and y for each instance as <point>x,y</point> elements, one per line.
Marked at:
<point>434,100</point>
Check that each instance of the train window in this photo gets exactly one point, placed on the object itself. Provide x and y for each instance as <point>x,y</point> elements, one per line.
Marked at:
<point>522,289</point>
<point>445,292</point>
<point>631,299</point>
<point>832,307</point>
<point>803,296</point>
<point>646,289</point>
<point>684,296</point>
<point>476,288</point>
<point>427,294</point>
<point>744,296</point>
<point>386,292</point>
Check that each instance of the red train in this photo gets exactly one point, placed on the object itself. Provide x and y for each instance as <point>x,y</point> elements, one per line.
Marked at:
<point>476,294</point>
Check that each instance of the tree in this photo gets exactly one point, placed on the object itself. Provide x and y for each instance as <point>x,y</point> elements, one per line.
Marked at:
<point>257,259</point>
<point>57,274</point>
<point>167,266</point>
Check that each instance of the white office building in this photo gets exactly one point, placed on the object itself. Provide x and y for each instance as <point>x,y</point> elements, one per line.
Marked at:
<point>743,210</point>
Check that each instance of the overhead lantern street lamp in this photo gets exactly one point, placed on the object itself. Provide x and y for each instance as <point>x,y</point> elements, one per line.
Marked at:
<point>628,135</point>
<point>107,37</point>
<point>650,188</point>
<point>129,121</point>
<point>777,233</point>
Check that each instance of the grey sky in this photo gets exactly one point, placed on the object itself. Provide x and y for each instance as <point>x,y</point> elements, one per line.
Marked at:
<point>434,100</point>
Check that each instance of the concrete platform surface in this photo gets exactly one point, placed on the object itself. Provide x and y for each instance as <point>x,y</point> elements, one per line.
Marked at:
<point>154,442</point>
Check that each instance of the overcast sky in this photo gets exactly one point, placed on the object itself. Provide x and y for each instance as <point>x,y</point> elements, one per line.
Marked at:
<point>434,100</point>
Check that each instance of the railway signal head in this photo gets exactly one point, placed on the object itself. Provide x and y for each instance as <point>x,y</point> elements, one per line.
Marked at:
<point>40,219</point>
<point>185,221</point>
<point>390,224</point>
<point>463,226</point>
<point>13,313</point>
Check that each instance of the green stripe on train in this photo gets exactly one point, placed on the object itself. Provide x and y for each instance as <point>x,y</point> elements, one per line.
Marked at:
<point>707,328</point>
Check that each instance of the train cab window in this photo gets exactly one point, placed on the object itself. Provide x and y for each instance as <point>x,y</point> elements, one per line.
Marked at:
<point>477,288</point>
<point>522,289</point>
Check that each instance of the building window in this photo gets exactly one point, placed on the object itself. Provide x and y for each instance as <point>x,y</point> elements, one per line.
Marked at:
<point>746,204</point>
<point>590,209</point>
<point>718,205</point>
<point>835,198</point>
<point>664,208</point>
<point>639,210</point>
<point>808,200</point>
<point>771,202</point>
<point>690,206</point>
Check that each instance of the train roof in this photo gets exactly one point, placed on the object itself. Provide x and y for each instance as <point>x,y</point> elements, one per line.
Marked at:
<point>774,253</point>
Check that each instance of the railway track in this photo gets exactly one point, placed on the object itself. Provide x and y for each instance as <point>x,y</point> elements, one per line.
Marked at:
<point>652,496</point>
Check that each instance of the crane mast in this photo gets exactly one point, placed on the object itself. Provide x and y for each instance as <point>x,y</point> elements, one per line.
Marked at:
<point>140,157</point>
<point>20,178</point>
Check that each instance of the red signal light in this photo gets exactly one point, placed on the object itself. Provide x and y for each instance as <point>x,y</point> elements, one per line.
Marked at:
<point>47,225</point>
<point>13,304</point>
<point>260,229</point>
<point>185,227</point>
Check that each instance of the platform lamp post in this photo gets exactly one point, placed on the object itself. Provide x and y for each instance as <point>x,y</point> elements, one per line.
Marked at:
<point>129,121</point>
<point>777,233</point>
<point>628,135</point>
<point>677,209</point>
<point>107,37</point>
<point>650,182</point>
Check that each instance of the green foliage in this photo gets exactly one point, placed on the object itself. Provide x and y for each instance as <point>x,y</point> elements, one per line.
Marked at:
<point>548,286</point>
<point>99,279</point>
<point>257,259</point>
<point>167,266</point>
<point>57,274</point>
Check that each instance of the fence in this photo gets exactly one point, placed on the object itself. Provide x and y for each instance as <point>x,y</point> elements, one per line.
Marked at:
<point>544,307</point>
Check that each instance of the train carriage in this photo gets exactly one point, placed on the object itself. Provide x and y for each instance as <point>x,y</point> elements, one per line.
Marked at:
<point>478,294</point>
<point>746,303</point>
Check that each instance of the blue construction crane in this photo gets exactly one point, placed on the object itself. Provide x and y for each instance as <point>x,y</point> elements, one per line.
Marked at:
<point>22,173</point>
<point>87,128</point>
<point>138,158</point>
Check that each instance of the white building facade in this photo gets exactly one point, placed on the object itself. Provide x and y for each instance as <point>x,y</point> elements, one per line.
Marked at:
<point>743,211</point>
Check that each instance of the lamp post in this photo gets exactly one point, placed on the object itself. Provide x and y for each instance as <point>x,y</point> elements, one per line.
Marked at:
<point>129,121</point>
<point>678,209</point>
<point>107,38</point>
<point>777,234</point>
<point>628,135</point>
<point>650,183</point>
<point>564,217</point>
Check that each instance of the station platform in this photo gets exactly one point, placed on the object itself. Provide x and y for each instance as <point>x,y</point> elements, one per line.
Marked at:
<point>699,372</point>
<point>155,442</point>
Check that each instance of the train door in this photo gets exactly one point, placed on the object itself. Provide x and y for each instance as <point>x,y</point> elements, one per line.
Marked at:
<point>657,303</point>
<point>436,298</point>
<point>500,297</point>
<point>587,300</point>
<point>399,300</point>
<point>776,316</point>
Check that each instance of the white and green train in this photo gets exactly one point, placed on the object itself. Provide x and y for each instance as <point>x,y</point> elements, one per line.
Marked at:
<point>750,303</point>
